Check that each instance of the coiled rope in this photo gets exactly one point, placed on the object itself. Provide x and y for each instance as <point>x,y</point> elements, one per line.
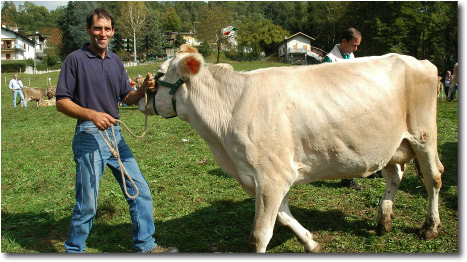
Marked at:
<point>114,147</point>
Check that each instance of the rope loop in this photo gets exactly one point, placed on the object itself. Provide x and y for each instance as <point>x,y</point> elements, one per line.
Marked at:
<point>114,150</point>
<point>113,147</point>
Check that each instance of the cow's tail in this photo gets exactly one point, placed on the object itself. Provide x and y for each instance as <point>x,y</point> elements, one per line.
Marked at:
<point>417,166</point>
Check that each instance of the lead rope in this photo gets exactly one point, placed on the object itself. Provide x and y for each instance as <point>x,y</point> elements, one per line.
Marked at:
<point>114,148</point>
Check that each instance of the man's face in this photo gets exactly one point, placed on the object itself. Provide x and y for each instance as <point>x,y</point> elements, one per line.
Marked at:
<point>350,46</point>
<point>101,32</point>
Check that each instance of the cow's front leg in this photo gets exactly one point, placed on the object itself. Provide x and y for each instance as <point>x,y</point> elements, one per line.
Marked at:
<point>393,175</point>
<point>268,200</point>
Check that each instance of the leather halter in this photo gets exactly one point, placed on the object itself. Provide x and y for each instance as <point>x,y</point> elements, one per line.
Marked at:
<point>173,89</point>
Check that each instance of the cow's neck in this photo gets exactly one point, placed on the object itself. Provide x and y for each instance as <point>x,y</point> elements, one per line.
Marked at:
<point>211,100</point>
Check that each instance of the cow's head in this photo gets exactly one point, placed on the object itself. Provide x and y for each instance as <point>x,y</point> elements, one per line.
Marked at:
<point>172,78</point>
<point>51,92</point>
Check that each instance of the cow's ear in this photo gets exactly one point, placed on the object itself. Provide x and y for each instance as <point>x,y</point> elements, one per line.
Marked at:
<point>191,64</point>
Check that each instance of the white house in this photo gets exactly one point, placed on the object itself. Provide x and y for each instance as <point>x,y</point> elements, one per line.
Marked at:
<point>297,49</point>
<point>189,37</point>
<point>16,46</point>
<point>41,43</point>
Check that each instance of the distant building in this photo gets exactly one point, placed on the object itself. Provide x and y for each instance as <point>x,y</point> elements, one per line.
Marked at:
<point>41,43</point>
<point>189,37</point>
<point>16,46</point>
<point>297,49</point>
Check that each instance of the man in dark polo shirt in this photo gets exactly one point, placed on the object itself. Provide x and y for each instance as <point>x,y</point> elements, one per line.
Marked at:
<point>91,81</point>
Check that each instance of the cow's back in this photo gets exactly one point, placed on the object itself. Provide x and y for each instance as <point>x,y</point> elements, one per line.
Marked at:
<point>349,116</point>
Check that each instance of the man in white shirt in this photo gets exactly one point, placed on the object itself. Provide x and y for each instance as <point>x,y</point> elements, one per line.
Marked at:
<point>349,42</point>
<point>15,86</point>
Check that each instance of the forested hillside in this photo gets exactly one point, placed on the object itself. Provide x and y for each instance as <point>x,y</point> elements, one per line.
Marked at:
<point>425,30</point>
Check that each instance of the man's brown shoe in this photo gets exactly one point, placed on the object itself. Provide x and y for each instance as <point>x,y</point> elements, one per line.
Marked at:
<point>355,185</point>
<point>161,249</point>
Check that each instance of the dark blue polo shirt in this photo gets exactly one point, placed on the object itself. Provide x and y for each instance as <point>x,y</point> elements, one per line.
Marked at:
<point>92,82</point>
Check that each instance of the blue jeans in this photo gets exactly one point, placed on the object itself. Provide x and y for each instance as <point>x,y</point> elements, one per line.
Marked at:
<point>91,155</point>
<point>19,92</point>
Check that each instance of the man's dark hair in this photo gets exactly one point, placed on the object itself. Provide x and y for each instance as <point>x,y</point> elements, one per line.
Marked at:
<point>350,33</point>
<point>101,13</point>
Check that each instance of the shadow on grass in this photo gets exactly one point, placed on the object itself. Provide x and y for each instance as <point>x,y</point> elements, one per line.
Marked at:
<point>219,173</point>
<point>40,232</point>
<point>222,227</point>
<point>225,227</point>
<point>449,157</point>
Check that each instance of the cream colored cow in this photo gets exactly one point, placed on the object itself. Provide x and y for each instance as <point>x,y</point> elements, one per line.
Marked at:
<point>48,102</point>
<point>276,127</point>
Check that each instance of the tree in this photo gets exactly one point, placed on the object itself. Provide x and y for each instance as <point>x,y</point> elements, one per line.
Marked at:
<point>73,25</point>
<point>325,22</point>
<point>54,42</point>
<point>154,34</point>
<point>171,20</point>
<point>188,12</point>
<point>9,13</point>
<point>258,35</point>
<point>131,25</point>
<point>215,19</point>
<point>33,17</point>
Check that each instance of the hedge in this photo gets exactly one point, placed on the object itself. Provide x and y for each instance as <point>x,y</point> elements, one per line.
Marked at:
<point>13,66</point>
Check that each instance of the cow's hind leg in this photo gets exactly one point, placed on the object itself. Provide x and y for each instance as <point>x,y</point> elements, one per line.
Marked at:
<point>431,169</point>
<point>393,174</point>
<point>285,218</point>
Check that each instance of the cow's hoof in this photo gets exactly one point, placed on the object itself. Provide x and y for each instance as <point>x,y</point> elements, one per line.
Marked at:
<point>383,228</point>
<point>429,231</point>
<point>315,249</point>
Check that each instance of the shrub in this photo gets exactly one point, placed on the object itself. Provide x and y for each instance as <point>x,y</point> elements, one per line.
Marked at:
<point>52,59</point>
<point>30,62</point>
<point>204,49</point>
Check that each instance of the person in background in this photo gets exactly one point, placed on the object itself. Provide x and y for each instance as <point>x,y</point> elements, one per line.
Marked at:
<point>91,81</point>
<point>447,82</point>
<point>348,43</point>
<point>16,85</point>
<point>453,87</point>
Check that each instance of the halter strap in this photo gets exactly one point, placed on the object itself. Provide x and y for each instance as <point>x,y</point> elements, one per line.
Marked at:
<point>173,88</point>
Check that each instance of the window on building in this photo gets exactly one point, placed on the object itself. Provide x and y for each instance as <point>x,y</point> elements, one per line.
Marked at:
<point>6,44</point>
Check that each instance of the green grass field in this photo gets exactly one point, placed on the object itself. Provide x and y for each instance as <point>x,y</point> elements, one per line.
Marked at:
<point>197,207</point>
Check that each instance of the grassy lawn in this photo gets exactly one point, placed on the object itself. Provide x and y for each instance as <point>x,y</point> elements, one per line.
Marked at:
<point>197,207</point>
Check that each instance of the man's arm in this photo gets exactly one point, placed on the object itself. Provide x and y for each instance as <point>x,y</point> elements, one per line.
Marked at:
<point>134,96</point>
<point>71,109</point>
